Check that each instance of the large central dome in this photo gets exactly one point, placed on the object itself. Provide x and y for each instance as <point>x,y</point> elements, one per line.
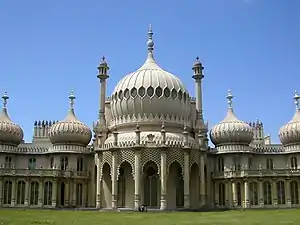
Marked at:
<point>150,92</point>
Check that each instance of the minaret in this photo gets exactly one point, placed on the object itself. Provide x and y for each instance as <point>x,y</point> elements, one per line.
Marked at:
<point>200,126</point>
<point>102,75</point>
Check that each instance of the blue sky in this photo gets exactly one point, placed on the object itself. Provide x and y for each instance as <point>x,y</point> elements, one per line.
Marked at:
<point>48,48</point>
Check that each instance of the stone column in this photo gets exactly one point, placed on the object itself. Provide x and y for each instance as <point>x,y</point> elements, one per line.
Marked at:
<point>26,202</point>
<point>1,192</point>
<point>74,194</point>
<point>234,194</point>
<point>261,194</point>
<point>13,193</point>
<point>98,190</point>
<point>41,194</point>
<point>186,179</point>
<point>246,192</point>
<point>137,182</point>
<point>288,193</point>
<point>202,181</point>
<point>102,75</point>
<point>114,185</point>
<point>54,193</point>
<point>67,194</point>
<point>163,180</point>
<point>274,193</point>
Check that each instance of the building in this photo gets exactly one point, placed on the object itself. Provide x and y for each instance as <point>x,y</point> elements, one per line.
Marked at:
<point>150,147</point>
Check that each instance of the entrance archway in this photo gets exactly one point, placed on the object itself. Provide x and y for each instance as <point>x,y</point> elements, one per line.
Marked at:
<point>106,186</point>
<point>194,186</point>
<point>151,184</point>
<point>175,187</point>
<point>125,186</point>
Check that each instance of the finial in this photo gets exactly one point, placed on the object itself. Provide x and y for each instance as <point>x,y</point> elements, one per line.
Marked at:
<point>197,58</point>
<point>103,58</point>
<point>72,98</point>
<point>297,98</point>
<point>229,99</point>
<point>5,97</point>
<point>150,42</point>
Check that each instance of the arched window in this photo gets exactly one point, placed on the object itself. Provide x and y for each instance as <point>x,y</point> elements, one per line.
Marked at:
<point>294,163</point>
<point>294,192</point>
<point>48,193</point>
<point>34,193</point>
<point>253,193</point>
<point>79,164</point>
<point>7,192</point>
<point>32,163</point>
<point>236,163</point>
<point>21,192</point>
<point>64,163</point>
<point>220,164</point>
<point>267,193</point>
<point>270,165</point>
<point>51,162</point>
<point>222,194</point>
<point>280,192</point>
<point>8,162</point>
<point>79,195</point>
<point>249,163</point>
<point>239,194</point>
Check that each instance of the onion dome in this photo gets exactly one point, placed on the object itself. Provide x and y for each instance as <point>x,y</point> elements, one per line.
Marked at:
<point>231,130</point>
<point>10,133</point>
<point>289,134</point>
<point>70,131</point>
<point>150,91</point>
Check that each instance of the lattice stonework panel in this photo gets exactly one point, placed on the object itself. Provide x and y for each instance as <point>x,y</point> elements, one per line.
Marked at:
<point>150,155</point>
<point>194,157</point>
<point>175,155</point>
<point>125,156</point>
<point>106,158</point>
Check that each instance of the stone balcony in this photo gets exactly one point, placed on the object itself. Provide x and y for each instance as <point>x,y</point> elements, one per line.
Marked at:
<point>231,174</point>
<point>49,173</point>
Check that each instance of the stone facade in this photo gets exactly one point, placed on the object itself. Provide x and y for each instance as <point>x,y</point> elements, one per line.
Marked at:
<point>150,146</point>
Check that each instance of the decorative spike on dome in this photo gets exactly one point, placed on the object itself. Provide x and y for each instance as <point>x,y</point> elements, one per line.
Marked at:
<point>72,97</point>
<point>150,42</point>
<point>229,98</point>
<point>297,100</point>
<point>5,97</point>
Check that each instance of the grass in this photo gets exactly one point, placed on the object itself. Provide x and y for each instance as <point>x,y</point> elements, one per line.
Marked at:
<point>57,217</point>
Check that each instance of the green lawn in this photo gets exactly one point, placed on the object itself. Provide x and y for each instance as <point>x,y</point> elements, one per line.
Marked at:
<point>265,217</point>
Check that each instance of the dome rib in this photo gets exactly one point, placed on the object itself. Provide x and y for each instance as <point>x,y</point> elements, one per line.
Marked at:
<point>70,130</point>
<point>231,130</point>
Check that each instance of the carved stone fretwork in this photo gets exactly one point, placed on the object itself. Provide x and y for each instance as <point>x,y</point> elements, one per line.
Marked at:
<point>105,158</point>
<point>150,155</point>
<point>175,155</point>
<point>194,157</point>
<point>125,156</point>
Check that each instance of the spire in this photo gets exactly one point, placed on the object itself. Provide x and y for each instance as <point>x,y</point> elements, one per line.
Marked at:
<point>297,100</point>
<point>5,97</point>
<point>229,98</point>
<point>150,42</point>
<point>71,113</point>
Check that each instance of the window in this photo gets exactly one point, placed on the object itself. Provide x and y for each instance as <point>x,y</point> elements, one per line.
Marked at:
<point>64,163</point>
<point>34,193</point>
<point>221,164</point>
<point>51,162</point>
<point>79,164</point>
<point>32,163</point>
<point>253,193</point>
<point>250,163</point>
<point>7,192</point>
<point>21,193</point>
<point>48,193</point>
<point>239,194</point>
<point>222,194</point>
<point>294,163</point>
<point>280,192</point>
<point>79,195</point>
<point>236,163</point>
<point>8,162</point>
<point>270,165</point>
<point>294,192</point>
<point>267,193</point>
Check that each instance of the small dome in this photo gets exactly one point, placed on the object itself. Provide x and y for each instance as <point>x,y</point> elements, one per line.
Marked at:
<point>231,130</point>
<point>289,134</point>
<point>10,133</point>
<point>70,130</point>
<point>150,90</point>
